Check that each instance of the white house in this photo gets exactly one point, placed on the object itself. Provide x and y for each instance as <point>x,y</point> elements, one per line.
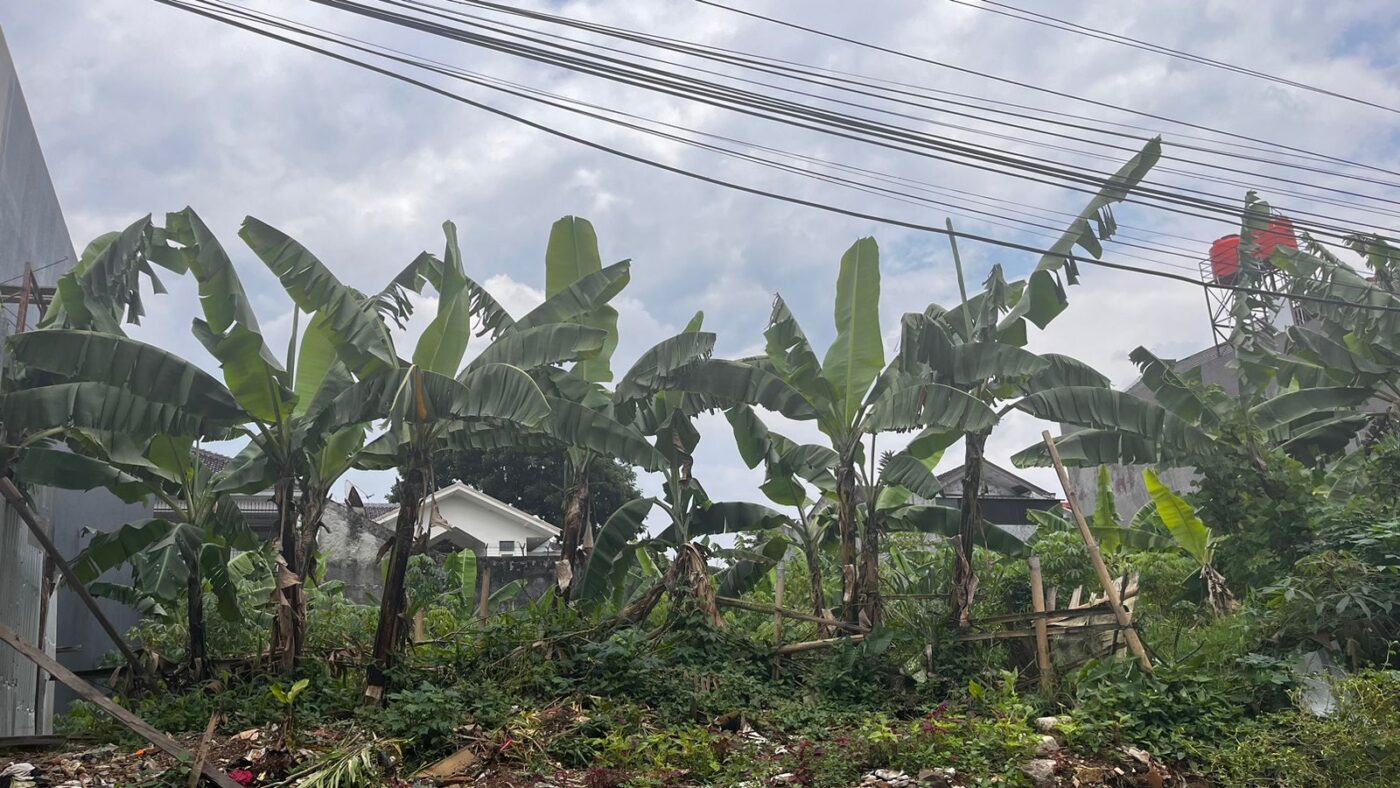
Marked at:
<point>469,519</point>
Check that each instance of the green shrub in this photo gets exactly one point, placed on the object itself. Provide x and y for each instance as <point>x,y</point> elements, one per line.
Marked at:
<point>1176,711</point>
<point>1358,744</point>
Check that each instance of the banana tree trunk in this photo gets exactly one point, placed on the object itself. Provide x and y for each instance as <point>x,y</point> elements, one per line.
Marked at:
<point>313,510</point>
<point>574,534</point>
<point>871,606</point>
<point>964,578</point>
<point>198,648</point>
<point>392,626</point>
<point>289,626</point>
<point>846,523</point>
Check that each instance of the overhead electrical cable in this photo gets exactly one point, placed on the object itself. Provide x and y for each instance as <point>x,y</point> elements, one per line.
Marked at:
<point>1045,20</point>
<point>808,73</point>
<point>833,123</point>
<point>1016,83</point>
<point>209,9</point>
<point>1210,174</point>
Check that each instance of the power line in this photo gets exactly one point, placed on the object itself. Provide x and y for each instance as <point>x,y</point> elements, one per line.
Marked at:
<point>832,123</point>
<point>201,10</point>
<point>1045,20</point>
<point>491,82</point>
<point>806,73</point>
<point>1020,84</point>
<point>557,101</point>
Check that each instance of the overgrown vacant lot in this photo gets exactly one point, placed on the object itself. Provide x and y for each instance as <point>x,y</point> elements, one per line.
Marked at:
<point>873,623</point>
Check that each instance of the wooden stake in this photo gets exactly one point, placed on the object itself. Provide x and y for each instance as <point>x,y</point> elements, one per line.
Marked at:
<point>1100,568</point>
<point>92,695</point>
<point>1042,634</point>
<point>203,751</point>
<point>777,613</point>
<point>778,607</point>
<point>483,605</point>
<point>16,500</point>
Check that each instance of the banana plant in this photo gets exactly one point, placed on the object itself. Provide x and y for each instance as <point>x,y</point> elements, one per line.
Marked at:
<point>853,395</point>
<point>689,514</point>
<point>431,401</point>
<point>977,348</point>
<point>1353,336</point>
<point>1188,420</point>
<point>286,452</point>
<point>1167,523</point>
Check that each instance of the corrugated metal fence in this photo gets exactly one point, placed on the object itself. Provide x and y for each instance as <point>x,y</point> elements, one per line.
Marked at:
<point>22,567</point>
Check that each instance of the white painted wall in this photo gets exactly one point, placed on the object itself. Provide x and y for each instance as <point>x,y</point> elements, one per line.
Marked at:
<point>483,522</point>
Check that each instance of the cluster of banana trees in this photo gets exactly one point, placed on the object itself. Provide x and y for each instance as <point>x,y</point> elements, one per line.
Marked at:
<point>130,417</point>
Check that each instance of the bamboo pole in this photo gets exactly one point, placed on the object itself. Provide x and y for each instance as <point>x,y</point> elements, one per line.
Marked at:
<point>1042,634</point>
<point>203,752</point>
<point>778,607</point>
<point>793,648</point>
<point>16,500</point>
<point>744,604</point>
<point>778,587</point>
<point>1100,568</point>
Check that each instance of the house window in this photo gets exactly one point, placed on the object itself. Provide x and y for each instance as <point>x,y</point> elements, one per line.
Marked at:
<point>507,547</point>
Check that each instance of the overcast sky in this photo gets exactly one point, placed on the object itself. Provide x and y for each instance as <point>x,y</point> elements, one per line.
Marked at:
<point>142,109</point>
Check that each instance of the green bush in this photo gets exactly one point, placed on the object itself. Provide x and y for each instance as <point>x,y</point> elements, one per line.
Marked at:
<point>1357,745</point>
<point>1176,711</point>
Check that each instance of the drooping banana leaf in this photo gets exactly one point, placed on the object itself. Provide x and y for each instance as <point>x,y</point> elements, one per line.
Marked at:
<point>612,547</point>
<point>361,337</point>
<point>1044,296</point>
<point>925,405</point>
<point>654,369</point>
<point>69,356</point>
<point>541,346</point>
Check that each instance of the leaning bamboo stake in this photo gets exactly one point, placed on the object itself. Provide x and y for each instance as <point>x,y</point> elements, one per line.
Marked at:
<point>16,500</point>
<point>1042,634</point>
<point>203,752</point>
<point>91,694</point>
<point>1100,568</point>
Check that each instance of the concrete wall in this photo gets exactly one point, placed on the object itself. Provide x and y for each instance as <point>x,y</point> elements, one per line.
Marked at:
<point>81,643</point>
<point>350,547</point>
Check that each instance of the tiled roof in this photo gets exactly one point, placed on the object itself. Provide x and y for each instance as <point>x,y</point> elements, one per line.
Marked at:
<point>376,510</point>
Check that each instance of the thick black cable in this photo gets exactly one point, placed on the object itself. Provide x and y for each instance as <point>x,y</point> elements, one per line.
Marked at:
<point>1018,83</point>
<point>804,73</point>
<point>1211,169</point>
<point>190,7</point>
<point>791,114</point>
